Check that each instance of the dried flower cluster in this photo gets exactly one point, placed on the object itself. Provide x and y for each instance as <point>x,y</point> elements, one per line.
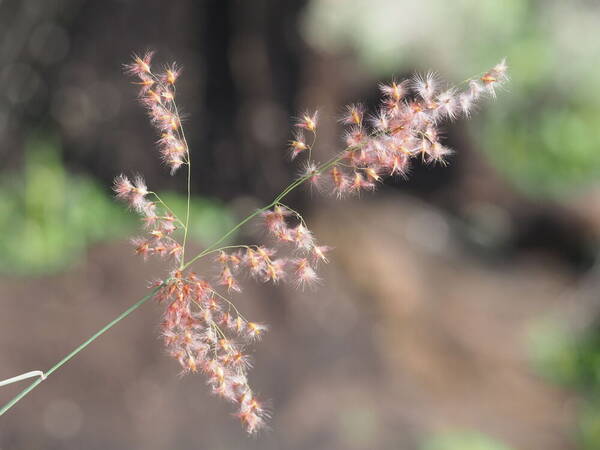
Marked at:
<point>204,332</point>
<point>157,94</point>
<point>160,225</point>
<point>202,328</point>
<point>405,127</point>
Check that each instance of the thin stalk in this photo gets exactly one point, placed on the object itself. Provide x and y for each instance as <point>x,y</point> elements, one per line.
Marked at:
<point>298,215</point>
<point>71,355</point>
<point>187,210</point>
<point>167,208</point>
<point>230,304</point>
<point>312,145</point>
<point>189,181</point>
<point>228,247</point>
<point>275,201</point>
<point>226,235</point>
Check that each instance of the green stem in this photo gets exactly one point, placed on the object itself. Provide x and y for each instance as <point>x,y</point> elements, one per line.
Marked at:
<point>275,201</point>
<point>66,359</point>
<point>189,180</point>
<point>226,235</point>
<point>187,211</point>
<point>167,208</point>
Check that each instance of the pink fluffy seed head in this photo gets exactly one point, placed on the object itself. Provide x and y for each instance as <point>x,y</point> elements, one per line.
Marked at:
<point>308,121</point>
<point>140,65</point>
<point>353,115</point>
<point>425,85</point>
<point>394,90</point>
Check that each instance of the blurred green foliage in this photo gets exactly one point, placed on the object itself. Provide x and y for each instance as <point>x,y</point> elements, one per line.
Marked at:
<point>48,216</point>
<point>462,440</point>
<point>542,134</point>
<point>572,360</point>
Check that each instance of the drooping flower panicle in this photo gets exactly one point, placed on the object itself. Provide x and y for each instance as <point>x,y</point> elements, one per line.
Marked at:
<point>205,333</point>
<point>157,94</point>
<point>405,127</point>
<point>202,328</point>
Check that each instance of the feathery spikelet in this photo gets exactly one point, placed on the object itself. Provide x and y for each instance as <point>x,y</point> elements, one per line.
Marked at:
<point>394,91</point>
<point>298,144</point>
<point>157,94</point>
<point>308,121</point>
<point>304,273</point>
<point>425,86</point>
<point>354,115</point>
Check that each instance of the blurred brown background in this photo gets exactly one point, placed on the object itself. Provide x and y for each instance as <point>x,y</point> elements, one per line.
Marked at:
<point>460,307</point>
